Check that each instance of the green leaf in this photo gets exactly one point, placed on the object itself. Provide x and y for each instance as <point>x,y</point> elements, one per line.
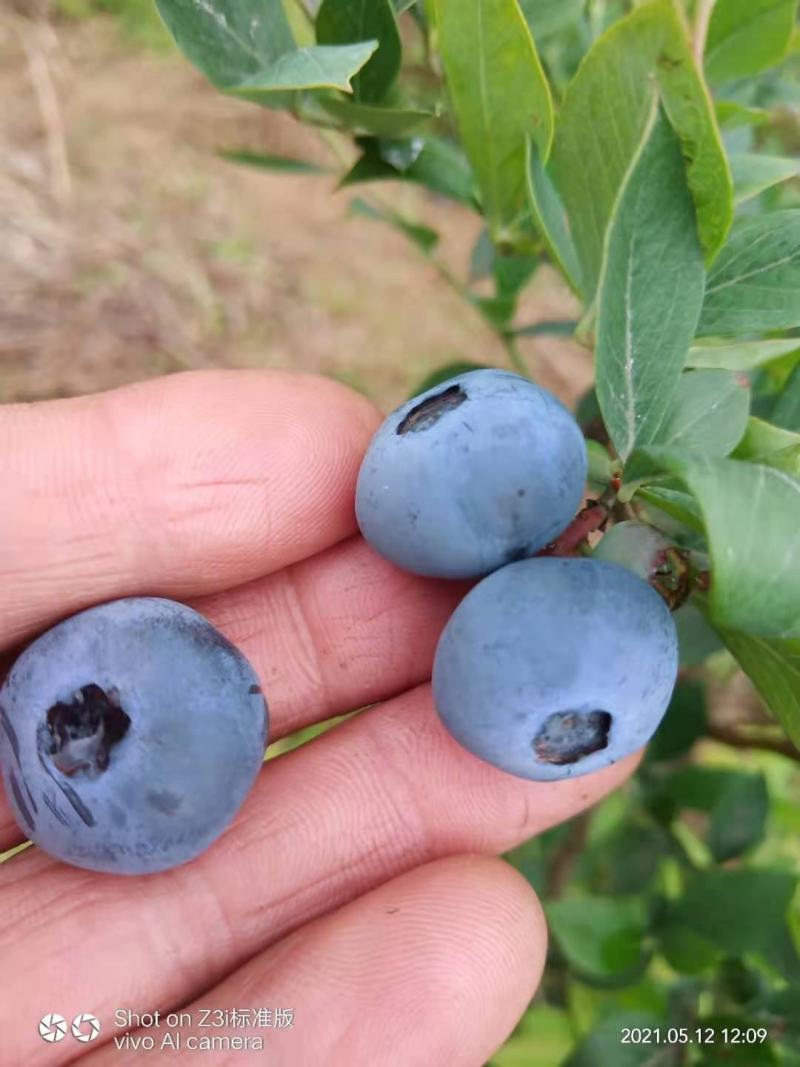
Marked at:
<point>626,860</point>
<point>500,96</point>
<point>543,1035</point>
<point>444,374</point>
<point>786,412</point>
<point>591,155</point>
<point>262,161</point>
<point>433,163</point>
<point>752,520</point>
<point>732,115</point>
<point>696,786</point>
<point>764,443</point>
<point>341,22</point>
<point>773,667</point>
<point>754,285</point>
<point>696,639</point>
<point>548,328</point>
<point>604,1044</point>
<point>684,950</point>
<point>678,505</point>
<point>549,17</point>
<point>512,273</point>
<point>690,109</point>
<point>650,292</point>
<point>423,237</point>
<point>550,218</point>
<point>600,936</point>
<point>739,817</point>
<point>684,722</point>
<point>643,53</point>
<point>708,413</point>
<point>753,173</point>
<point>748,355</point>
<point>320,67</point>
<point>737,911</point>
<point>228,42</point>
<point>482,257</point>
<point>374,120</point>
<point>747,36</point>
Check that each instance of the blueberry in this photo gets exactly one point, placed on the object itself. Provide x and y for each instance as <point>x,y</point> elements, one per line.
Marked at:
<point>552,668</point>
<point>130,735</point>
<point>483,469</point>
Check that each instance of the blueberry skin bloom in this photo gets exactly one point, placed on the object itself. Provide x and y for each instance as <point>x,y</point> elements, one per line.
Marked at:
<point>552,668</point>
<point>484,469</point>
<point>130,735</point>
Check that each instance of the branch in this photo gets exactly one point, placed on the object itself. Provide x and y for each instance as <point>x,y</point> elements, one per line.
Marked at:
<point>591,518</point>
<point>738,737</point>
<point>564,858</point>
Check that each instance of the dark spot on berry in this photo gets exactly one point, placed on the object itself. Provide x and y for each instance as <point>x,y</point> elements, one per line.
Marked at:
<point>568,736</point>
<point>254,689</point>
<point>427,413</point>
<point>80,734</point>
<point>164,801</point>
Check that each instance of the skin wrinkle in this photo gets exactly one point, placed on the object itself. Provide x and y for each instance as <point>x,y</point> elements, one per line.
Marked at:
<point>326,453</point>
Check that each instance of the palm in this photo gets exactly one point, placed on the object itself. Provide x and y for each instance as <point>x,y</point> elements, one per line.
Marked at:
<point>234,492</point>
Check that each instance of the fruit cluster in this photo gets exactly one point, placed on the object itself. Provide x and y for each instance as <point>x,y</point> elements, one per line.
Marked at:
<point>131,733</point>
<point>550,667</point>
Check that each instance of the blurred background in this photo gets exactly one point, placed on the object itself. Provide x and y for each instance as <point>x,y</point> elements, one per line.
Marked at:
<point>129,249</point>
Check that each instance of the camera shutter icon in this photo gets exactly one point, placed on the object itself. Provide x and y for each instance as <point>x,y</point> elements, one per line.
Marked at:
<point>85,1027</point>
<point>52,1027</point>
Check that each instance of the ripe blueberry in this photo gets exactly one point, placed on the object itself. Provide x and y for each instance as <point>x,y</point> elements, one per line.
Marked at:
<point>479,471</point>
<point>130,735</point>
<point>552,668</point>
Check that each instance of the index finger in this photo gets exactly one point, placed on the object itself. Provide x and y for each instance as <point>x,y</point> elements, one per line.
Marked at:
<point>180,486</point>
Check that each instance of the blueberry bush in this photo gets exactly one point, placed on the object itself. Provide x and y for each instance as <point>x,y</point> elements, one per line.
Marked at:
<point>648,152</point>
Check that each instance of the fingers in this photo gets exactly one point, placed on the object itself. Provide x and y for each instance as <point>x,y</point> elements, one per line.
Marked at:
<point>175,487</point>
<point>434,967</point>
<point>335,632</point>
<point>382,793</point>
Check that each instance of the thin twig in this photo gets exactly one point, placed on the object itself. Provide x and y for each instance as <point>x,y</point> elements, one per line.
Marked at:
<point>589,519</point>
<point>47,99</point>
<point>737,737</point>
<point>564,858</point>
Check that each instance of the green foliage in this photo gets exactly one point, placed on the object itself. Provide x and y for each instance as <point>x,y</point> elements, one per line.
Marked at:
<point>642,57</point>
<point>650,291</point>
<point>583,134</point>
<point>499,95</point>
<point>754,285</point>
<point>747,36</point>
<point>340,22</point>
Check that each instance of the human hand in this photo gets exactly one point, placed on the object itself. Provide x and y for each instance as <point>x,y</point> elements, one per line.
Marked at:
<point>358,885</point>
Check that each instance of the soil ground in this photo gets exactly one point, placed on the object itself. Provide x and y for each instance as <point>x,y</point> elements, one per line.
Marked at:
<point>129,249</point>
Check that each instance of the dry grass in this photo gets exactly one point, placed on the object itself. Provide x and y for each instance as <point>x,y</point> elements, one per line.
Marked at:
<point>127,249</point>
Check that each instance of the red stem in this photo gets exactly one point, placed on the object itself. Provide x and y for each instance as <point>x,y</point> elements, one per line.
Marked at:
<point>591,518</point>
